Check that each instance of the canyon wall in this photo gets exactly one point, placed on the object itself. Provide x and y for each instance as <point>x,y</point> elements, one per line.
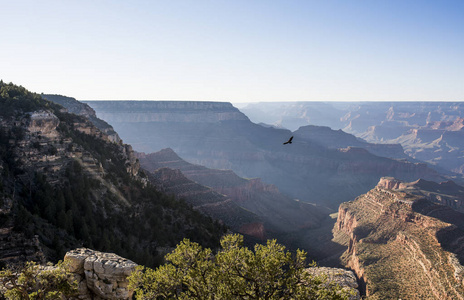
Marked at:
<point>396,245</point>
<point>217,135</point>
<point>165,111</point>
<point>427,131</point>
<point>249,206</point>
<point>73,106</point>
<point>64,182</point>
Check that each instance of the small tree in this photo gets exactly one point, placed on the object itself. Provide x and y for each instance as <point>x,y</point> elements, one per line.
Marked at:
<point>36,282</point>
<point>235,272</point>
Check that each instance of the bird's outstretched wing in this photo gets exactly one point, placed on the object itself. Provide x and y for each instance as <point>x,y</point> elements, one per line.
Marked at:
<point>289,141</point>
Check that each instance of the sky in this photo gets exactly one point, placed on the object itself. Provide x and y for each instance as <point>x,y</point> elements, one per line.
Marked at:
<point>236,50</point>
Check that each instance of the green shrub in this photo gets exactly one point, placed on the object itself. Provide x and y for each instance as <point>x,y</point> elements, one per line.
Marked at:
<point>235,272</point>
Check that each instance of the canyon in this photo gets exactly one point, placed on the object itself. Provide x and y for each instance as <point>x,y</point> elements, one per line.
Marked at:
<point>69,181</point>
<point>428,131</point>
<point>248,206</point>
<point>64,183</point>
<point>403,243</point>
<point>219,136</point>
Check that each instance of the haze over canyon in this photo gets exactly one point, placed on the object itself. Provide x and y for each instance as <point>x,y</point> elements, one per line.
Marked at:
<point>87,174</point>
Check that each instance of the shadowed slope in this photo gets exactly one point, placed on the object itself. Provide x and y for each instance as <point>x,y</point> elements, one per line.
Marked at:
<point>279,213</point>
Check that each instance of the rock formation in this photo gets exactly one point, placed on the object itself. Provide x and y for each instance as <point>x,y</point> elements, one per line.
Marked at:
<point>75,107</point>
<point>254,208</point>
<point>207,201</point>
<point>65,183</point>
<point>43,123</point>
<point>402,245</point>
<point>293,115</point>
<point>335,139</point>
<point>100,275</point>
<point>428,131</point>
<point>219,136</point>
<point>105,275</point>
<point>446,193</point>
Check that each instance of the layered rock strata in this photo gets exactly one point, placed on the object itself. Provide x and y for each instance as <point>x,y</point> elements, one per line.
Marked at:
<point>401,245</point>
<point>75,107</point>
<point>44,148</point>
<point>219,136</point>
<point>100,275</point>
<point>254,208</point>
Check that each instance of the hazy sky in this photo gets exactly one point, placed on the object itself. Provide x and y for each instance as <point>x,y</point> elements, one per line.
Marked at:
<point>238,51</point>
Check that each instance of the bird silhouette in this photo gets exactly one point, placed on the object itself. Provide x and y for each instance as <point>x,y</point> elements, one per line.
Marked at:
<point>289,141</point>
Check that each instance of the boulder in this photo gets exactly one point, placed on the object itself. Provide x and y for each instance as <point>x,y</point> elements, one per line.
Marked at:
<point>100,275</point>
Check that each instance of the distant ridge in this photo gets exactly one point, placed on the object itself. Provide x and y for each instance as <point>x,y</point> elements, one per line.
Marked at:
<point>217,135</point>
<point>278,213</point>
<point>429,131</point>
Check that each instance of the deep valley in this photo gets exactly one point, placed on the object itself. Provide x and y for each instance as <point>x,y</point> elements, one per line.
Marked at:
<point>136,177</point>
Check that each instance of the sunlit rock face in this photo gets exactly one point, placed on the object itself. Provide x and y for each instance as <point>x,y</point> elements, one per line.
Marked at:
<point>100,275</point>
<point>402,242</point>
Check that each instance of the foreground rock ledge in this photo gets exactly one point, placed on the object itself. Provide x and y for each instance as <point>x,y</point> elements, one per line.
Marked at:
<point>104,275</point>
<point>100,275</point>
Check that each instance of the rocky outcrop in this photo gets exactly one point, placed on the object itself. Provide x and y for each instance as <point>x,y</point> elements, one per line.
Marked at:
<point>45,148</point>
<point>344,278</point>
<point>100,275</point>
<point>131,161</point>
<point>401,245</point>
<point>390,183</point>
<point>72,105</point>
<point>446,193</point>
<point>43,123</point>
<point>75,107</point>
<point>105,275</point>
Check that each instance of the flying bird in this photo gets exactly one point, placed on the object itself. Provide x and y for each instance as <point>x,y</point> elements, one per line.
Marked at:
<point>289,141</point>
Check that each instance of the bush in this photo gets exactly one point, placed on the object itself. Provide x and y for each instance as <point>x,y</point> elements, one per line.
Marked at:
<point>36,282</point>
<point>235,272</point>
